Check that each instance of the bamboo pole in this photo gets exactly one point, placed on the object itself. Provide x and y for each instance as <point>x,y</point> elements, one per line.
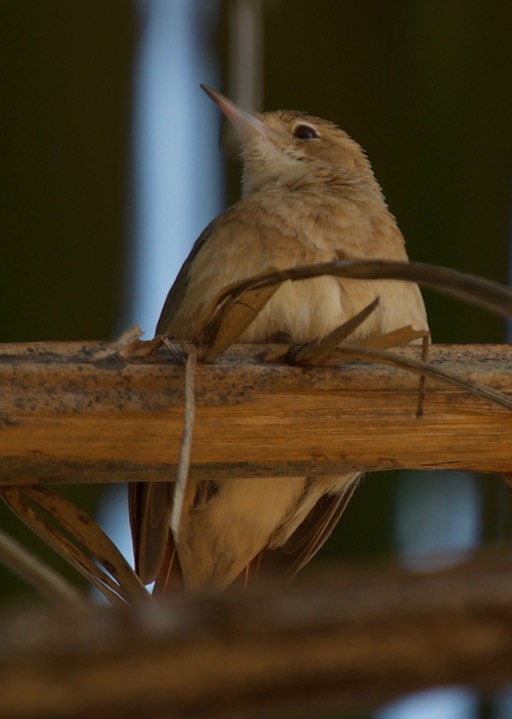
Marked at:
<point>83,412</point>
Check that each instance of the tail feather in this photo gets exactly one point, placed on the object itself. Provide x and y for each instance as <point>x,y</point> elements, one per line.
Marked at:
<point>169,579</point>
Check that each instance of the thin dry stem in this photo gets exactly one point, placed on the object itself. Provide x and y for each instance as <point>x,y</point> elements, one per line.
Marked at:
<point>186,442</point>
<point>38,574</point>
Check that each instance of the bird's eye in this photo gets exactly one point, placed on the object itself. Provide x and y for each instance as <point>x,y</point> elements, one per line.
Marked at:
<point>305,132</point>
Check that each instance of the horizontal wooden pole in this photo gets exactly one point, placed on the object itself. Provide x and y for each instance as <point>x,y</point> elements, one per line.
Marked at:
<point>344,640</point>
<point>75,412</point>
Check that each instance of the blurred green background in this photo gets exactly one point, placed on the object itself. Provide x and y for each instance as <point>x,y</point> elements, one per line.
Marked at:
<point>423,85</point>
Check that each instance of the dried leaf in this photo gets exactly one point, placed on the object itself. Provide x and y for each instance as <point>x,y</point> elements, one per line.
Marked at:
<point>422,368</point>
<point>139,348</point>
<point>37,573</point>
<point>123,345</point>
<point>396,338</point>
<point>469,288</point>
<point>78,539</point>
<point>232,318</point>
<point>315,351</point>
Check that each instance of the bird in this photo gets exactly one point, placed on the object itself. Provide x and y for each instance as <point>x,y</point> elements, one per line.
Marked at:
<point>309,195</point>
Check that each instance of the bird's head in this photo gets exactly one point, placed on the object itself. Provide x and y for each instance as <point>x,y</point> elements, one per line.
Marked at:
<point>285,146</point>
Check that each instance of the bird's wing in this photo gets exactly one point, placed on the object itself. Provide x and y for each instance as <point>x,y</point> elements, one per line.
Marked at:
<point>150,510</point>
<point>169,577</point>
<point>150,504</point>
<point>179,287</point>
<point>309,537</point>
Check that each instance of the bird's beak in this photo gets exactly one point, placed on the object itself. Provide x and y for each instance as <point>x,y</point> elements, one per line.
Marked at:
<point>245,123</point>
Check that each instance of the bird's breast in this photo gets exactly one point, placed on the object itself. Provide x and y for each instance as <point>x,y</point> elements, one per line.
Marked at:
<point>302,311</point>
<point>279,231</point>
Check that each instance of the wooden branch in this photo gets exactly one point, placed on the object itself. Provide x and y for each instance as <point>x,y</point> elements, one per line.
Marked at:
<point>348,640</point>
<point>74,412</point>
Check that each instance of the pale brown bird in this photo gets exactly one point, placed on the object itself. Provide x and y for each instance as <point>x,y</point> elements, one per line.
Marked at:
<point>309,195</point>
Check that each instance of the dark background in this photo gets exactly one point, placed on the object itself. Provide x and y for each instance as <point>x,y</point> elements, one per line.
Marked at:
<point>423,85</point>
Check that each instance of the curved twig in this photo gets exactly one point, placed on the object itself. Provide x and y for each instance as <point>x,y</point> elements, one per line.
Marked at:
<point>38,574</point>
